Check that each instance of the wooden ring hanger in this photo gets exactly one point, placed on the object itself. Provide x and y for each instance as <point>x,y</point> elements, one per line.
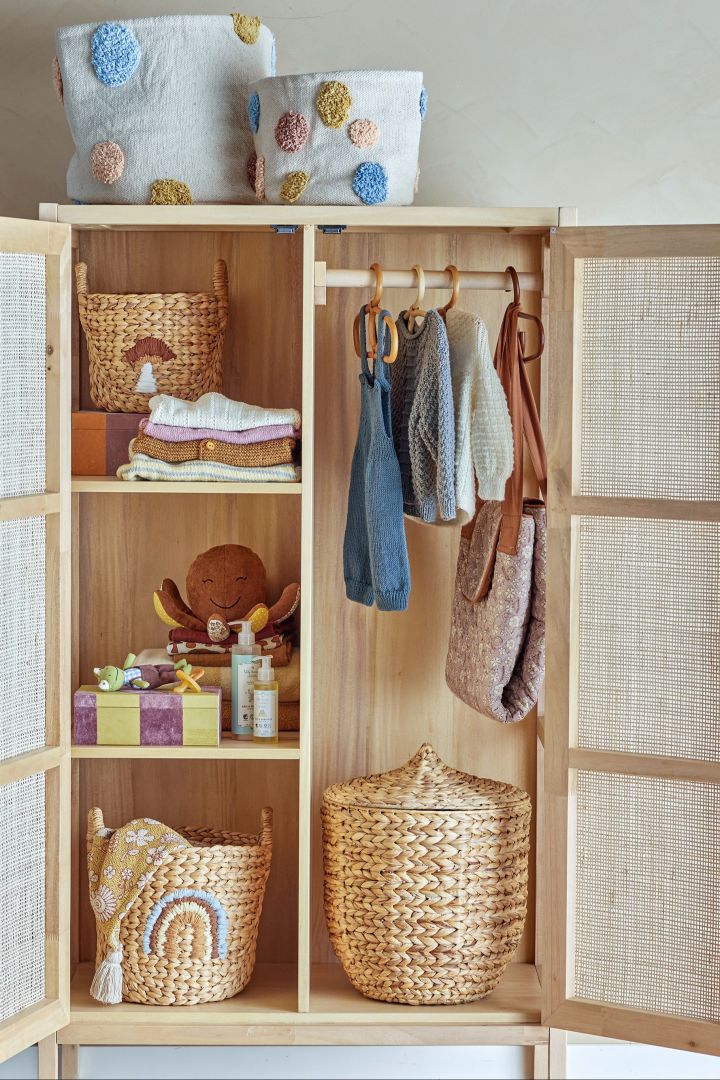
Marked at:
<point>373,309</point>
<point>415,311</point>
<point>453,271</point>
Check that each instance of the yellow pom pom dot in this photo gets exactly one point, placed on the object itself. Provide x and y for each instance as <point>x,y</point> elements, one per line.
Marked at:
<point>247,28</point>
<point>333,103</point>
<point>107,162</point>
<point>294,185</point>
<point>57,78</point>
<point>363,134</point>
<point>170,193</point>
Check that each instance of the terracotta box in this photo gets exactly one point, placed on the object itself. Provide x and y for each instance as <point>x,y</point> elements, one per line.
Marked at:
<point>100,441</point>
<point>147,717</point>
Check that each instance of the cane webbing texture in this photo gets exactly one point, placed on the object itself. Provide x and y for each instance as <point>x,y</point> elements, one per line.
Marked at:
<point>647,920</point>
<point>649,636</point>
<point>22,633</point>
<point>22,894</point>
<point>22,374</point>
<point>650,378</point>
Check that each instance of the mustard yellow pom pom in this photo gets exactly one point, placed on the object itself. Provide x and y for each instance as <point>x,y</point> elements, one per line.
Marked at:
<point>170,193</point>
<point>247,27</point>
<point>294,185</point>
<point>333,103</point>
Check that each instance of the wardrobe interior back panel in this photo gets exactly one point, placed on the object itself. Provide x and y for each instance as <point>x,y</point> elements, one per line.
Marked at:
<point>380,686</point>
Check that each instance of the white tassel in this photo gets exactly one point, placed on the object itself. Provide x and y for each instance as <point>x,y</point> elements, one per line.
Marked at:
<point>107,983</point>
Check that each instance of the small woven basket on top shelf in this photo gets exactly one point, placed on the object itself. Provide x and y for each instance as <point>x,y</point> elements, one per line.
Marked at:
<point>140,344</point>
<point>181,970</point>
<point>426,873</point>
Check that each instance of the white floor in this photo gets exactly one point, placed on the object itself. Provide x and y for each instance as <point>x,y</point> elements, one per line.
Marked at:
<point>603,1062</point>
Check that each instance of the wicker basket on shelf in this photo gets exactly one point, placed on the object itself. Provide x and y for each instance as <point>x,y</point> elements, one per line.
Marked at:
<point>426,873</point>
<point>140,344</point>
<point>182,967</point>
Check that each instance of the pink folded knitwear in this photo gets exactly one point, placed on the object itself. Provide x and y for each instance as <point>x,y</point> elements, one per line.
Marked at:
<point>239,438</point>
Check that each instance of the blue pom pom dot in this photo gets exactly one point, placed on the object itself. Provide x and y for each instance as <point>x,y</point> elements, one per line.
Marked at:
<point>115,53</point>
<point>253,111</point>
<point>423,103</point>
<point>370,183</point>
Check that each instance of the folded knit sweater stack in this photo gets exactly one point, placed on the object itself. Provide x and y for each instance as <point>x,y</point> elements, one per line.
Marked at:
<point>214,438</point>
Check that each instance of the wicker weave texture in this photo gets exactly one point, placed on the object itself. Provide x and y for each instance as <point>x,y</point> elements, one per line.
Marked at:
<point>650,378</point>
<point>425,906</point>
<point>649,636</point>
<point>22,894</point>
<point>647,931</point>
<point>22,633</point>
<point>180,335</point>
<point>231,867</point>
<point>22,371</point>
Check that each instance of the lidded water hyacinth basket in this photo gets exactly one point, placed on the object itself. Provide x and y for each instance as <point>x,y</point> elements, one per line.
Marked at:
<point>426,876</point>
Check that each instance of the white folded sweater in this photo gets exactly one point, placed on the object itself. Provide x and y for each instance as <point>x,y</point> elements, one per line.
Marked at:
<point>483,433</point>
<point>217,411</point>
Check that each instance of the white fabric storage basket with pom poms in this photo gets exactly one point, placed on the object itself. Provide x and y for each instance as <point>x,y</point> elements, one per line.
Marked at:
<point>337,137</point>
<point>157,107</point>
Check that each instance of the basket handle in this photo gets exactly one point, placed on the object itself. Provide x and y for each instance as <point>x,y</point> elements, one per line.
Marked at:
<point>266,815</point>
<point>95,823</point>
<point>81,278</point>
<point>220,288</point>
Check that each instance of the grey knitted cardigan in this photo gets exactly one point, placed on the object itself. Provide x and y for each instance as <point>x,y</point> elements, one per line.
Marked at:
<point>423,419</point>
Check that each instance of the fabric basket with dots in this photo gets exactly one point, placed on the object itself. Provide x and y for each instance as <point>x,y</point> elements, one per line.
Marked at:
<point>337,137</point>
<point>157,107</point>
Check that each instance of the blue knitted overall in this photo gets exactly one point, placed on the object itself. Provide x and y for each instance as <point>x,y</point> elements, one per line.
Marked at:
<point>375,558</point>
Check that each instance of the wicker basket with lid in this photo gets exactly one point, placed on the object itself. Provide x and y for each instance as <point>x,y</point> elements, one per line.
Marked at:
<point>426,874</point>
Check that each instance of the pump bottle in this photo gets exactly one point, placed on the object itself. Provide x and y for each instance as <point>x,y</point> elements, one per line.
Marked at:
<point>246,657</point>
<point>265,704</point>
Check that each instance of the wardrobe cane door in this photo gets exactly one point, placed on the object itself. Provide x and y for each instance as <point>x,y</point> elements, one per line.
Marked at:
<point>34,628</point>
<point>632,772</point>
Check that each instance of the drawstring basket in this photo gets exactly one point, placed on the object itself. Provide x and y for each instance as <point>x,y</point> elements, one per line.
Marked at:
<point>140,344</point>
<point>179,966</point>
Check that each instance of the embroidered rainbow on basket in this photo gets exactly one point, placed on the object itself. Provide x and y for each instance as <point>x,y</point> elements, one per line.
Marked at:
<point>180,909</point>
<point>148,346</point>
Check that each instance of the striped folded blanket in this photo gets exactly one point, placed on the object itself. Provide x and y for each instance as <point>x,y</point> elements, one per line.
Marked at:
<point>256,455</point>
<point>142,467</point>
<point>240,438</point>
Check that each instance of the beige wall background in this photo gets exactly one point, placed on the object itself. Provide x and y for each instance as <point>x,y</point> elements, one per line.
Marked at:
<point>609,105</point>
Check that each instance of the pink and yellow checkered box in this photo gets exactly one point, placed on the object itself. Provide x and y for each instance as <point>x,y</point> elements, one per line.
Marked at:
<point>147,717</point>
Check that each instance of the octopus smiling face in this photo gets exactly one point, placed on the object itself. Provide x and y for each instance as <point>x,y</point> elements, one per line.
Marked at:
<point>227,581</point>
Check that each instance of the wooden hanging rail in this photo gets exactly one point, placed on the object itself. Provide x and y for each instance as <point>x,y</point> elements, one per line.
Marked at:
<point>407,279</point>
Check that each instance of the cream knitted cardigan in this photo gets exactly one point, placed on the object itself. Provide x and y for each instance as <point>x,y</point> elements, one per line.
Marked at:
<point>217,411</point>
<point>483,433</point>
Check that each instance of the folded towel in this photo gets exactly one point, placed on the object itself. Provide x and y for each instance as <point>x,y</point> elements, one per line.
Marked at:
<point>143,467</point>
<point>256,455</point>
<point>217,411</point>
<point>219,656</point>
<point>240,438</point>
<point>269,636</point>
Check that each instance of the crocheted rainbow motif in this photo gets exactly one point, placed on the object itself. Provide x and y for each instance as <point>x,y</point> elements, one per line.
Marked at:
<point>175,912</point>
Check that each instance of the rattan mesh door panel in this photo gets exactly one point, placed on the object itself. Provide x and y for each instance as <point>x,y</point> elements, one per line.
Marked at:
<point>649,636</point>
<point>22,894</point>
<point>22,364</point>
<point>649,371</point>
<point>647,919</point>
<point>22,632</point>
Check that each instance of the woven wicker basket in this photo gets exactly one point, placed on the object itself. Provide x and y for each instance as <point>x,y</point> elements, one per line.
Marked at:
<point>426,874</point>
<point>145,343</point>
<point>233,868</point>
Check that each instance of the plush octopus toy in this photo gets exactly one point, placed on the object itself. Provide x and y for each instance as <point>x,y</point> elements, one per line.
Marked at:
<point>225,585</point>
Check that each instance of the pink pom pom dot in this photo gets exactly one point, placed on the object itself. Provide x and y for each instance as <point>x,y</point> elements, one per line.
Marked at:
<point>291,131</point>
<point>107,162</point>
<point>363,133</point>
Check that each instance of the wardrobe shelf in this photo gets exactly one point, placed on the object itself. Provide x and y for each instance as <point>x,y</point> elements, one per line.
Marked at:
<point>266,1013</point>
<point>113,484</point>
<point>287,749</point>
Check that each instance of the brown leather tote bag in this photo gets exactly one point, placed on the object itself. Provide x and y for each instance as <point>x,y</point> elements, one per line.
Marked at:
<point>496,654</point>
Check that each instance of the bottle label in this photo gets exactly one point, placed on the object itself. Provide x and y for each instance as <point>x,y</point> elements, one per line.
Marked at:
<point>265,714</point>
<point>246,671</point>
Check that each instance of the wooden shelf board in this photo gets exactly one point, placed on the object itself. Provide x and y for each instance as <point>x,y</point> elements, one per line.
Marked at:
<point>266,1013</point>
<point>288,748</point>
<point>165,487</point>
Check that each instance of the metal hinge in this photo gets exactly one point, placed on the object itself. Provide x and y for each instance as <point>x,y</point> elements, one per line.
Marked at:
<point>332,230</point>
<point>283,230</point>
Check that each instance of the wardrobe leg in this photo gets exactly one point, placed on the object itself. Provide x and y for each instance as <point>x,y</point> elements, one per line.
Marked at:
<point>69,1062</point>
<point>541,1061</point>
<point>47,1058</point>
<point>558,1054</point>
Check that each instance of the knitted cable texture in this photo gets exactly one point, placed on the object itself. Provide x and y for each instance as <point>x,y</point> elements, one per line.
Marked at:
<point>253,455</point>
<point>483,434</point>
<point>217,411</point>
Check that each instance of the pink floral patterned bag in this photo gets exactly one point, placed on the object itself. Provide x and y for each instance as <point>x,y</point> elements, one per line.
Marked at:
<point>496,654</point>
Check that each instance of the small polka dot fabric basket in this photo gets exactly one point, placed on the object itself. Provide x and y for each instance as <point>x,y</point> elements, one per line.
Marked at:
<point>157,107</point>
<point>337,137</point>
